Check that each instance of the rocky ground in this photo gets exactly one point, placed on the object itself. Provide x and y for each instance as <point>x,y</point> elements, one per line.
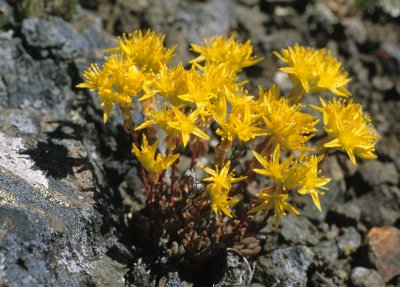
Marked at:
<point>68,183</point>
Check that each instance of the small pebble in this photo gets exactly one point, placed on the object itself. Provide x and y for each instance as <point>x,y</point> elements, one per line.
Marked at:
<point>363,277</point>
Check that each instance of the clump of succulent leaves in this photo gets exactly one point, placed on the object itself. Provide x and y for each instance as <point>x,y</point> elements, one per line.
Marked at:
<point>229,138</point>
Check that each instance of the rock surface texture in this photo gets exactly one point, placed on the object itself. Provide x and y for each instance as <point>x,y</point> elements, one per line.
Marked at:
<point>49,226</point>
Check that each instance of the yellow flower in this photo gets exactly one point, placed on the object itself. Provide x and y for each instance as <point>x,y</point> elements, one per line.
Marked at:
<point>160,117</point>
<point>206,88</point>
<point>238,98</point>
<point>207,83</point>
<point>230,52</point>
<point>273,167</point>
<point>146,50</point>
<point>219,187</point>
<point>186,125</point>
<point>284,122</point>
<point>310,182</point>
<point>217,107</point>
<point>222,178</point>
<point>348,130</point>
<point>240,125</point>
<point>117,82</point>
<point>146,157</point>
<point>94,77</point>
<point>172,83</point>
<point>199,90</point>
<point>220,201</point>
<point>314,69</point>
<point>274,198</point>
<point>301,173</point>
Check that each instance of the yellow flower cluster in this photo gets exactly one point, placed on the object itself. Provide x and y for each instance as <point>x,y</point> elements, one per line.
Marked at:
<point>145,51</point>
<point>188,107</point>
<point>285,123</point>
<point>230,52</point>
<point>219,188</point>
<point>348,129</point>
<point>299,174</point>
<point>116,82</point>
<point>146,157</point>
<point>315,70</point>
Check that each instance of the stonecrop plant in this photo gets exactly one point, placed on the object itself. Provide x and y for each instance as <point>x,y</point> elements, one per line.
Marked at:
<point>203,111</point>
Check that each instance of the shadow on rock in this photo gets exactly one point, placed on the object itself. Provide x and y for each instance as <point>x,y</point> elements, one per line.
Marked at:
<point>53,156</point>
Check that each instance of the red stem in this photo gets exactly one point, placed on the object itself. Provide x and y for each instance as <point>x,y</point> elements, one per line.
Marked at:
<point>130,126</point>
<point>195,153</point>
<point>173,177</point>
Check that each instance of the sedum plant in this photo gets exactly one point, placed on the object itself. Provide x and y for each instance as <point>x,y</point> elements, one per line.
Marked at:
<point>204,111</point>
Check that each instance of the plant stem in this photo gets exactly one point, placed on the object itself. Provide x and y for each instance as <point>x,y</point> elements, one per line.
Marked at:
<point>296,94</point>
<point>129,127</point>
<point>220,151</point>
<point>174,179</point>
<point>195,152</point>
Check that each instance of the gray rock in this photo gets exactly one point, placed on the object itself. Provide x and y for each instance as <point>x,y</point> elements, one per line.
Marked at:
<point>282,80</point>
<point>392,7</point>
<point>385,210</point>
<point>90,27</point>
<point>31,217</point>
<point>104,272</point>
<point>382,84</point>
<point>284,267</point>
<point>362,74</point>
<point>31,84</point>
<point>6,13</point>
<point>375,172</point>
<point>328,274</point>
<point>382,125</point>
<point>251,19</point>
<point>355,29</point>
<point>237,271</point>
<point>55,36</point>
<point>393,49</point>
<point>363,277</point>
<point>185,22</point>
<point>345,214</point>
<point>318,279</point>
<point>327,250</point>
<point>390,145</point>
<point>173,280</point>
<point>278,40</point>
<point>49,170</point>
<point>140,275</point>
<point>320,13</point>
<point>332,233</point>
<point>349,241</point>
<point>191,22</point>
<point>298,230</point>
<point>136,6</point>
<point>249,2</point>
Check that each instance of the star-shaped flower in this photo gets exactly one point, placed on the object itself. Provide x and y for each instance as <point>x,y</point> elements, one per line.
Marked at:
<point>186,125</point>
<point>146,157</point>
<point>274,198</point>
<point>222,178</point>
<point>348,130</point>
